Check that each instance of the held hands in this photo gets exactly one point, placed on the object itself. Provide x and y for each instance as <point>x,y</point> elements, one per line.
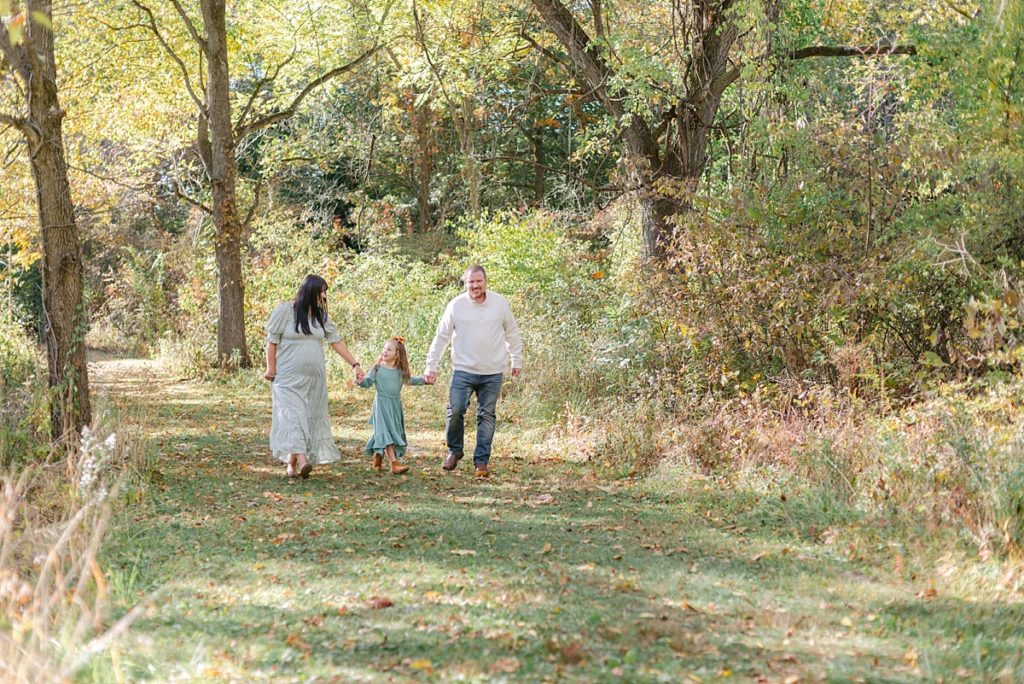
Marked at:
<point>360,375</point>
<point>430,377</point>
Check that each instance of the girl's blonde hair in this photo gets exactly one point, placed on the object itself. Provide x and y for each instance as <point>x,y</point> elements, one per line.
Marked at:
<point>401,358</point>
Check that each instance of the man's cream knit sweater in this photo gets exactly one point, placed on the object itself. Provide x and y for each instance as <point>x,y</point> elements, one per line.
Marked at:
<point>483,336</point>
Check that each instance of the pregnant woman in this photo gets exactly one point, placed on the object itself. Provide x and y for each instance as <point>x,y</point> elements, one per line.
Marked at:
<point>300,430</point>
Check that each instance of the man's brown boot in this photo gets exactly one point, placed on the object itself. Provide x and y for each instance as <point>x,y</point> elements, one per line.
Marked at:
<point>482,473</point>
<point>452,461</point>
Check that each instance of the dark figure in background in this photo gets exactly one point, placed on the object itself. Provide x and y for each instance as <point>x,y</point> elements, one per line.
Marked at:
<point>342,235</point>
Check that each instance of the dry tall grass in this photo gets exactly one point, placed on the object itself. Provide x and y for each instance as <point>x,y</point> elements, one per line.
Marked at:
<point>54,598</point>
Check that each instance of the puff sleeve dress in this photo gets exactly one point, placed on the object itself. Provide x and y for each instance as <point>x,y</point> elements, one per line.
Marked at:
<point>386,416</point>
<point>300,424</point>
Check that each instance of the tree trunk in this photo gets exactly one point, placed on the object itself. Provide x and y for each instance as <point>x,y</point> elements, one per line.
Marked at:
<point>232,350</point>
<point>666,172</point>
<point>537,147</point>
<point>424,171</point>
<point>471,170</point>
<point>62,251</point>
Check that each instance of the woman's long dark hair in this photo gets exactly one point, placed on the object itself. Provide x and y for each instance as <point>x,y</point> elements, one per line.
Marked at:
<point>307,304</point>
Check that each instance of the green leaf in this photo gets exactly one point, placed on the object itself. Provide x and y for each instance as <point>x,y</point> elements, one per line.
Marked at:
<point>42,19</point>
<point>16,32</point>
<point>930,358</point>
<point>5,7</point>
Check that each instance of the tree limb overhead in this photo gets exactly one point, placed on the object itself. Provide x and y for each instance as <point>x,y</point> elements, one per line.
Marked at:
<point>852,51</point>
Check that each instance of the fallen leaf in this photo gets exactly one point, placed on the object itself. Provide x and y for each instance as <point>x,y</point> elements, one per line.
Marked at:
<point>624,585</point>
<point>547,548</point>
<point>295,641</point>
<point>377,603</point>
<point>421,664</point>
<point>927,594</point>
<point>572,654</point>
<point>462,552</point>
<point>544,499</point>
<point>506,665</point>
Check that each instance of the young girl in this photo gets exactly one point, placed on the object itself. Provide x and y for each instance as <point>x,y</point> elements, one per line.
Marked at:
<point>389,374</point>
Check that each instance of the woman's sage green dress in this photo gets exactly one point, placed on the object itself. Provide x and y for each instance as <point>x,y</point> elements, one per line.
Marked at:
<point>386,416</point>
<point>300,424</point>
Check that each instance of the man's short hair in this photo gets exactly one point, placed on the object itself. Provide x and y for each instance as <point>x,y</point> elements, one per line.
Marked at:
<point>475,268</point>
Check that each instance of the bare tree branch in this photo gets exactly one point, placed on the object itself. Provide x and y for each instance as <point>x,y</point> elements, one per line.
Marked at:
<point>109,179</point>
<point>200,104</point>
<point>190,26</point>
<point>854,51</point>
<point>287,113</point>
<point>256,91</point>
<point>254,205</point>
<point>14,57</point>
<point>180,194</point>
<point>585,55</point>
<point>15,122</point>
<point>27,127</point>
<point>547,52</point>
<point>561,171</point>
<point>963,13</point>
<point>421,39</point>
<point>28,42</point>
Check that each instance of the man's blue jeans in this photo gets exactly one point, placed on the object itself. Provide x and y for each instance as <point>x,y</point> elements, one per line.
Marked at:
<point>487,388</point>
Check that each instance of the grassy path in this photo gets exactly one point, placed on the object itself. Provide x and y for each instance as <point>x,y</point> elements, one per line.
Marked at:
<point>544,573</point>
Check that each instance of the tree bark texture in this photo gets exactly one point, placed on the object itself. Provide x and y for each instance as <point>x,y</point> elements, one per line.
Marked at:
<point>466,128</point>
<point>665,160</point>
<point>232,350</point>
<point>423,171</point>
<point>537,147</point>
<point>65,325</point>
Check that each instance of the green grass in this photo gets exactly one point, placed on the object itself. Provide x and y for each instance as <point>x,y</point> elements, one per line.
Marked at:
<point>544,573</point>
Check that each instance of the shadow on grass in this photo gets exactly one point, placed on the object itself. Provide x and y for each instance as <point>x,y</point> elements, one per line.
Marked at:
<point>534,575</point>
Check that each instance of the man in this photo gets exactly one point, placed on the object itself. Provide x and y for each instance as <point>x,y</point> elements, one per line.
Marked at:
<point>484,336</point>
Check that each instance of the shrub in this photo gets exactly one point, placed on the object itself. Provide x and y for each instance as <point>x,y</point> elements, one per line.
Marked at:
<point>24,407</point>
<point>133,313</point>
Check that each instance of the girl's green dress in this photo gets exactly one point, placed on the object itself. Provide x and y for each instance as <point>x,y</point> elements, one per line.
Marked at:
<point>386,416</point>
